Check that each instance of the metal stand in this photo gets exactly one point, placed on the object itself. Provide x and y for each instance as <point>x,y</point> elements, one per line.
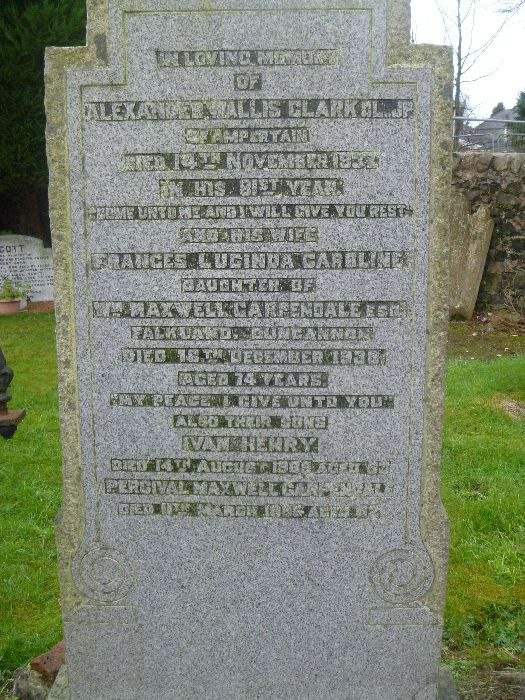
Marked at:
<point>9,420</point>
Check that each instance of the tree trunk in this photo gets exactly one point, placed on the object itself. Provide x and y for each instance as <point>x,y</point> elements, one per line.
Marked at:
<point>458,112</point>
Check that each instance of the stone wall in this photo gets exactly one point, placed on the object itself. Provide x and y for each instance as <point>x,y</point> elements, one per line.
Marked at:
<point>494,185</point>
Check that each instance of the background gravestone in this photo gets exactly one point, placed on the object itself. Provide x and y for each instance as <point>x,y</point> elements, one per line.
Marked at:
<point>470,236</point>
<point>249,212</point>
<point>25,260</point>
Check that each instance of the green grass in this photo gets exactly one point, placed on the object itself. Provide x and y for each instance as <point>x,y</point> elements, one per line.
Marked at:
<point>30,488</point>
<point>483,491</point>
<point>483,488</point>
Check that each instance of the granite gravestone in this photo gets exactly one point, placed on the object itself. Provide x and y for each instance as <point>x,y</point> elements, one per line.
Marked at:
<point>249,218</point>
<point>24,259</point>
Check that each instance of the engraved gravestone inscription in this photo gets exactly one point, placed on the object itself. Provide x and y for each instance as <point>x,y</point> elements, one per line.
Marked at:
<point>24,260</point>
<point>246,203</point>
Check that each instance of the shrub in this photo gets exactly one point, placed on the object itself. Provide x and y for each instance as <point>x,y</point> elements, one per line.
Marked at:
<point>26,28</point>
<point>9,290</point>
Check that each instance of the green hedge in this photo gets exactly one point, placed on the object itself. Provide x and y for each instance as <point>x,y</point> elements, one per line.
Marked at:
<point>26,28</point>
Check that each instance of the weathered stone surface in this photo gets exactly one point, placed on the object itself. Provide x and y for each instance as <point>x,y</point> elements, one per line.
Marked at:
<point>250,218</point>
<point>49,663</point>
<point>29,685</point>
<point>501,191</point>
<point>446,687</point>
<point>470,236</point>
<point>60,689</point>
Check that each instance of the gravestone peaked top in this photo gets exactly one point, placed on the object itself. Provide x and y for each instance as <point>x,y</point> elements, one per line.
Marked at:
<point>249,207</point>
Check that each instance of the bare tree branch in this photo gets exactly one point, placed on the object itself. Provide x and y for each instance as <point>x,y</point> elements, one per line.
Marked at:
<point>481,50</point>
<point>442,11</point>
<point>511,6</point>
<point>447,21</point>
<point>472,33</point>
<point>487,75</point>
<point>460,31</point>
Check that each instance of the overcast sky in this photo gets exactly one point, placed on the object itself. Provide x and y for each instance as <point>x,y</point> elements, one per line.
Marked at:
<point>504,58</point>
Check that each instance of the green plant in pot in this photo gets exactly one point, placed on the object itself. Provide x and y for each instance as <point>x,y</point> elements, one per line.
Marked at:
<point>11,296</point>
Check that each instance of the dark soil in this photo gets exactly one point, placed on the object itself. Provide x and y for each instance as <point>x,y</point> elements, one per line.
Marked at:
<point>487,336</point>
<point>488,684</point>
<point>40,306</point>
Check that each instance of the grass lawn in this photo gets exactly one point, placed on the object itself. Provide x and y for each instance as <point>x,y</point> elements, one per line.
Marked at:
<point>483,488</point>
<point>30,488</point>
<point>483,491</point>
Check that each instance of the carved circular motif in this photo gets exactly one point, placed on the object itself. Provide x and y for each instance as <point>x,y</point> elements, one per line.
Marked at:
<point>402,575</point>
<point>104,575</point>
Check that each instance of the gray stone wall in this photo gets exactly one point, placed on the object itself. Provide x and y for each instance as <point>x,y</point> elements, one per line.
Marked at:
<point>496,182</point>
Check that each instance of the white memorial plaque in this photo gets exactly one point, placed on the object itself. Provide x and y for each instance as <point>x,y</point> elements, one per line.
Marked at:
<point>24,260</point>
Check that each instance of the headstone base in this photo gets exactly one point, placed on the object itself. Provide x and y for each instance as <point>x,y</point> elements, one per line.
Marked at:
<point>446,687</point>
<point>60,688</point>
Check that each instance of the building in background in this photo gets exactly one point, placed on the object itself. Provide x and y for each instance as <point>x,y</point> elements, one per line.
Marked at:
<point>494,134</point>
